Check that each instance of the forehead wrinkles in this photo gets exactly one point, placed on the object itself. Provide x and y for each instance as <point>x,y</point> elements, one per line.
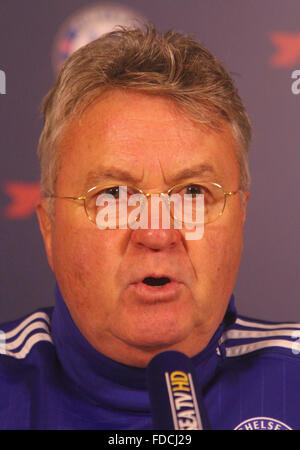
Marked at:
<point>141,140</point>
<point>153,155</point>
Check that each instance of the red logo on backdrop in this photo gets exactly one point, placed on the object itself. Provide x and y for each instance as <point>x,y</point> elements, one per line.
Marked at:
<point>23,198</point>
<point>287,49</point>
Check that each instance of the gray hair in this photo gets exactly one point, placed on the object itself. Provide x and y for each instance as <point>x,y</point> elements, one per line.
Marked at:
<point>171,64</point>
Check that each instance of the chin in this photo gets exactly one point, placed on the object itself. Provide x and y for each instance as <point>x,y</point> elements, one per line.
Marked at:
<point>149,337</point>
<point>158,326</point>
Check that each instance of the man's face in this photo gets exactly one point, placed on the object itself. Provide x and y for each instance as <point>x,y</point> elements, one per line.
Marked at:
<point>143,140</point>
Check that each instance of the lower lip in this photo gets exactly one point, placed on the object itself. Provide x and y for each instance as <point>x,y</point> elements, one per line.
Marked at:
<point>163,293</point>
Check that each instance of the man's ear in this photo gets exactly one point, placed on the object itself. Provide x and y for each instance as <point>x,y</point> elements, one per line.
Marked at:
<point>45,223</point>
<point>245,198</point>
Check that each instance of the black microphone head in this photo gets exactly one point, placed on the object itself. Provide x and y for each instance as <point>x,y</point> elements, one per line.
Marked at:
<point>175,393</point>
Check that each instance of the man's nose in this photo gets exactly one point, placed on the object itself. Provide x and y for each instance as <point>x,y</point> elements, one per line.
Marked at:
<point>156,239</point>
<point>160,233</point>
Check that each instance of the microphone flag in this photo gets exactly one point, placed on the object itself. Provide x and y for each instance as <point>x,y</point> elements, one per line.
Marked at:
<point>175,393</point>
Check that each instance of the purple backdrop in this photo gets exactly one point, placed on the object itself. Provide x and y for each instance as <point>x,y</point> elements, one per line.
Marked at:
<point>259,42</point>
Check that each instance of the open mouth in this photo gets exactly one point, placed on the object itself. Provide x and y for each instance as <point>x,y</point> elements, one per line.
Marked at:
<point>156,289</point>
<point>152,281</point>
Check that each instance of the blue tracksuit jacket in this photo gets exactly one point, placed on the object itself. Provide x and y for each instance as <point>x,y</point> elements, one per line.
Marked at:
<point>52,378</point>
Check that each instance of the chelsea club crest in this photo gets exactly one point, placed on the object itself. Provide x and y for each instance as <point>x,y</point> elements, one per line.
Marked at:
<point>88,24</point>
<point>262,423</point>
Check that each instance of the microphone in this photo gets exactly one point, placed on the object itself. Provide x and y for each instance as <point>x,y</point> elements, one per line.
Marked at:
<point>175,393</point>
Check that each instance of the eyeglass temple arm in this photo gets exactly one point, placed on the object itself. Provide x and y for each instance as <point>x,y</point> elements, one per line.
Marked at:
<point>82,197</point>
<point>232,192</point>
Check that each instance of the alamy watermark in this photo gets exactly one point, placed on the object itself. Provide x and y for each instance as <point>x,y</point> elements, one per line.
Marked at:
<point>2,82</point>
<point>296,84</point>
<point>132,211</point>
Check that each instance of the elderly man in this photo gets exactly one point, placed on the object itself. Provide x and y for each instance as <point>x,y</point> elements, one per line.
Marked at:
<point>143,115</point>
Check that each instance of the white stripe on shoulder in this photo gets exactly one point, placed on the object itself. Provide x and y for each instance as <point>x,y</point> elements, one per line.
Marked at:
<point>17,338</point>
<point>25,322</point>
<point>257,324</point>
<point>33,326</point>
<point>239,350</point>
<point>34,339</point>
<point>248,334</point>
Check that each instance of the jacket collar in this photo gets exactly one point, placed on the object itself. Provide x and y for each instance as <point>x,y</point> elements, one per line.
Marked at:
<point>96,376</point>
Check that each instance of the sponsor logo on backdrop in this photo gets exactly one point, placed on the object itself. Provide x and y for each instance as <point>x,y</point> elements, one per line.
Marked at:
<point>286,55</point>
<point>2,82</point>
<point>89,23</point>
<point>23,198</point>
<point>287,49</point>
<point>262,423</point>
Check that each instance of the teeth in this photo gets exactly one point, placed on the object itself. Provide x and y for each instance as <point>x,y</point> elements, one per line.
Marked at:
<point>151,281</point>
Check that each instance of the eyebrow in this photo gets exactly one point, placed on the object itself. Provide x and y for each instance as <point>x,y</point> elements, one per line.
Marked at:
<point>195,171</point>
<point>101,175</point>
<point>108,174</point>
